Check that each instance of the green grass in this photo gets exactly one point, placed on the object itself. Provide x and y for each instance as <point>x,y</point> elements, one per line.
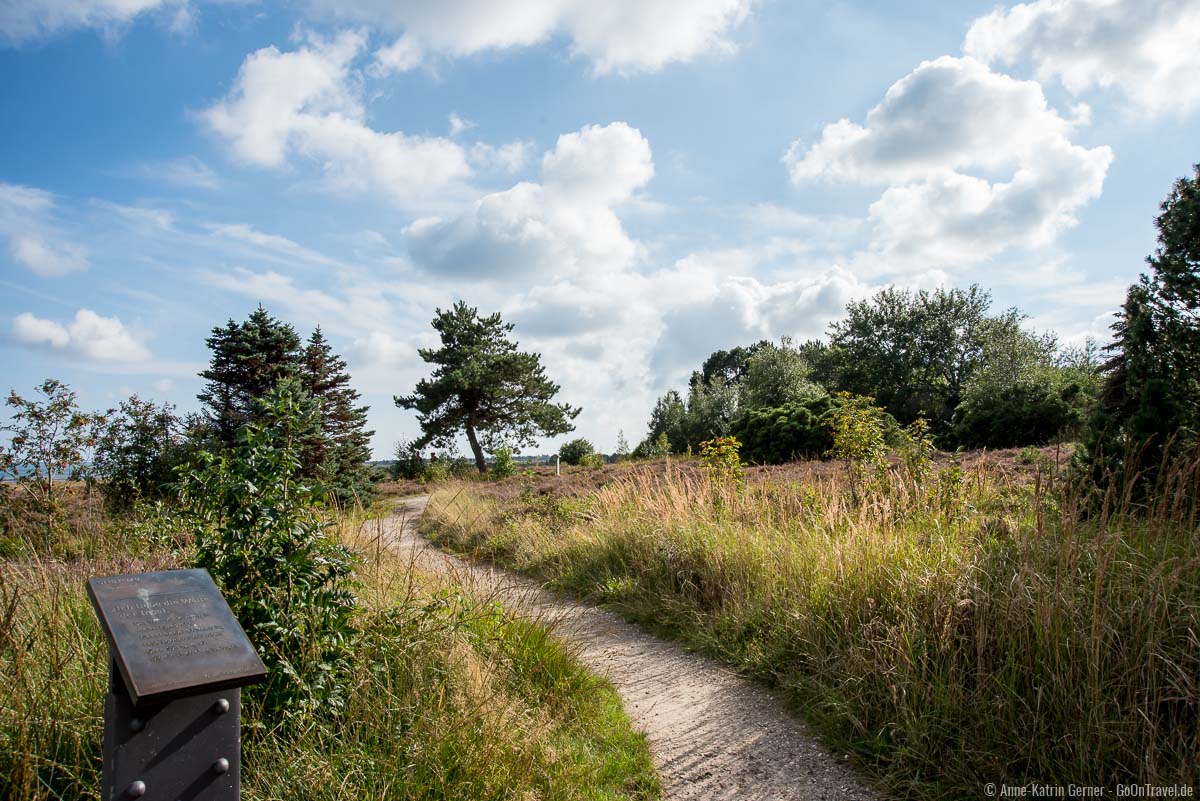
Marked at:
<point>451,697</point>
<point>973,628</point>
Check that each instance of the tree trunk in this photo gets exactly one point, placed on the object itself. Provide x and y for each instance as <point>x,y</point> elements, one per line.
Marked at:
<point>480,462</point>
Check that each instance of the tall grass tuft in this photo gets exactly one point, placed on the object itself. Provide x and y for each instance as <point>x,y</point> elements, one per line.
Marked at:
<point>951,628</point>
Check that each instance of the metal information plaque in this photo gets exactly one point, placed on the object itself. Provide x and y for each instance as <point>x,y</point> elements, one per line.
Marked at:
<point>172,729</point>
<point>173,633</point>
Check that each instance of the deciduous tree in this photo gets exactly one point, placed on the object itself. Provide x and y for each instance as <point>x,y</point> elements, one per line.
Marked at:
<point>138,445</point>
<point>48,440</point>
<point>914,352</point>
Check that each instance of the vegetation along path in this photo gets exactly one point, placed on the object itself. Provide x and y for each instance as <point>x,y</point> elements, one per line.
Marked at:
<point>714,734</point>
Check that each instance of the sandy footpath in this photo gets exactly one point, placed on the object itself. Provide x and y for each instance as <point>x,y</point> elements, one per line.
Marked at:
<point>714,735</point>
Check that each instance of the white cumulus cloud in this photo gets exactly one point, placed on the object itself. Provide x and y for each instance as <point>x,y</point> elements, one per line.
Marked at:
<point>34,241</point>
<point>88,336</point>
<point>565,224</point>
<point>719,303</point>
<point>305,103</point>
<point>975,162</point>
<point>1149,50</point>
<point>621,36</point>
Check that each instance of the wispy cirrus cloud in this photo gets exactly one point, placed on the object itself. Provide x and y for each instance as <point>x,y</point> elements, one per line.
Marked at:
<point>34,239</point>
<point>30,20</point>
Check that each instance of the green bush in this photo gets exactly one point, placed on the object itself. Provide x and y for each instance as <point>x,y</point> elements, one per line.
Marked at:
<point>861,434</point>
<point>721,459</point>
<point>774,435</point>
<point>259,534</point>
<point>408,463</point>
<point>503,465</point>
<point>138,446</point>
<point>573,452</point>
<point>436,472</point>
<point>1026,413</point>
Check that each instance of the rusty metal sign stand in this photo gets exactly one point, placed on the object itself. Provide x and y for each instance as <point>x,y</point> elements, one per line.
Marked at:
<point>178,658</point>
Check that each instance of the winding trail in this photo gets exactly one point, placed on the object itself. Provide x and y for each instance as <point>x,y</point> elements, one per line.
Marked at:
<point>714,735</point>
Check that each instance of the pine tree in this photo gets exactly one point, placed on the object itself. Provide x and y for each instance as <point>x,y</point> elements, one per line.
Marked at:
<point>340,453</point>
<point>248,361</point>
<point>1149,400</point>
<point>485,387</point>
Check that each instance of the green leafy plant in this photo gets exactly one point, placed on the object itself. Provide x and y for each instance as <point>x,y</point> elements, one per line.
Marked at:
<point>860,437</point>
<point>722,460</point>
<point>575,451</point>
<point>503,465</point>
<point>408,463</point>
<point>259,533</point>
<point>138,446</point>
<point>914,445</point>
<point>528,485</point>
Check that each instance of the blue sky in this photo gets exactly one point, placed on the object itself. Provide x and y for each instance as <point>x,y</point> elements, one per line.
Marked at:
<point>633,188</point>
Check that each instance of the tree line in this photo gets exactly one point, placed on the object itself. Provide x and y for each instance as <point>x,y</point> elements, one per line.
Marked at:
<point>974,374</point>
<point>138,447</point>
<point>976,377</point>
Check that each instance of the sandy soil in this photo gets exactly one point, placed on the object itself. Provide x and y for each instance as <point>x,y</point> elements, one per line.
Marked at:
<point>714,735</point>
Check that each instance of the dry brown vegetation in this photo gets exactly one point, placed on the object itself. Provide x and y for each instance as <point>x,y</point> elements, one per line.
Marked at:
<point>983,623</point>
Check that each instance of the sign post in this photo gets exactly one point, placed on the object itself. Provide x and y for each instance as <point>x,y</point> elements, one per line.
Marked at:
<point>177,661</point>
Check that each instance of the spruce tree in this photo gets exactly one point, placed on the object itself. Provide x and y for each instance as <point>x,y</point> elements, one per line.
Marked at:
<point>1151,395</point>
<point>340,453</point>
<point>248,361</point>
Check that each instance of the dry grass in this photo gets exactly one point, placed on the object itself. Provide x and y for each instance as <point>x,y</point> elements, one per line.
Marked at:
<point>451,696</point>
<point>972,628</point>
<point>578,482</point>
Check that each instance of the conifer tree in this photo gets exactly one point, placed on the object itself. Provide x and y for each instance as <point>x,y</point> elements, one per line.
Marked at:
<point>1151,395</point>
<point>485,387</point>
<point>248,361</point>
<point>339,455</point>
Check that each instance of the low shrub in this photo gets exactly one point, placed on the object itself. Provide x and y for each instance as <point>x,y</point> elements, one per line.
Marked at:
<point>798,430</point>
<point>503,466</point>
<point>575,451</point>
